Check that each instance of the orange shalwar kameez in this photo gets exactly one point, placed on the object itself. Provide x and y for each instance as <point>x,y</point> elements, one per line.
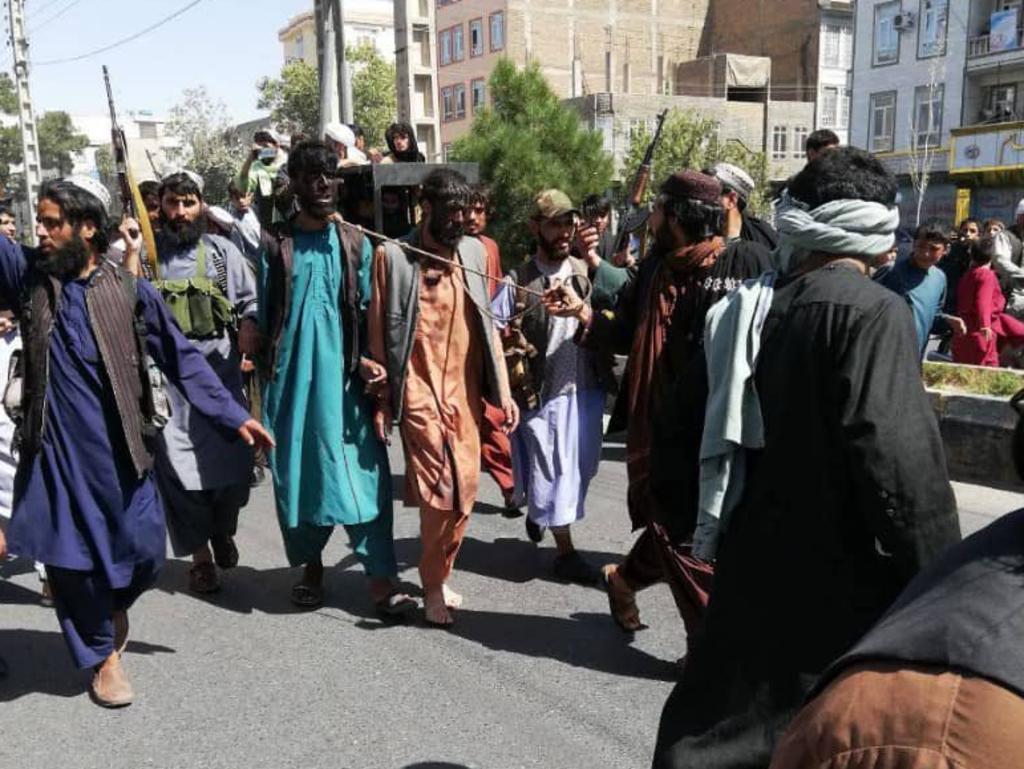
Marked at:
<point>442,411</point>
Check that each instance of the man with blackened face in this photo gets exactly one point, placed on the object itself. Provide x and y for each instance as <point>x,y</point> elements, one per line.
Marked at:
<point>203,474</point>
<point>315,398</point>
<point>432,335</point>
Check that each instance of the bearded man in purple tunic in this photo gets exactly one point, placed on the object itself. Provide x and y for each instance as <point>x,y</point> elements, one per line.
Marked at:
<point>85,501</point>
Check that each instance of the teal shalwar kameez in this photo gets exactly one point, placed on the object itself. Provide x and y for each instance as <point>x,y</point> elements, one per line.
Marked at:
<point>329,469</point>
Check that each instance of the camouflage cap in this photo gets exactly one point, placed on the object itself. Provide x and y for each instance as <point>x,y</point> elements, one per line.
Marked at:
<point>550,204</point>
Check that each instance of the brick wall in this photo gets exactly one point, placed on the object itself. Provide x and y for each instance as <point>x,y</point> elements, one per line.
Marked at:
<point>785,30</point>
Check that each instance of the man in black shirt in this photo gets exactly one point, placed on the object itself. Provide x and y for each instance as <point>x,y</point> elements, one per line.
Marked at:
<point>847,500</point>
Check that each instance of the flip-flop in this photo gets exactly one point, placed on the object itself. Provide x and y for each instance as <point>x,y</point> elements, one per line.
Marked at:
<point>307,596</point>
<point>395,605</point>
<point>621,611</point>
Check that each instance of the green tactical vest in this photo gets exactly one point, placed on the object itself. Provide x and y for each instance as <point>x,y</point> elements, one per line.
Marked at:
<point>198,304</point>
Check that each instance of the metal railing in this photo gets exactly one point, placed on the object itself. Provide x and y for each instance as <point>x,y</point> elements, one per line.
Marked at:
<point>980,46</point>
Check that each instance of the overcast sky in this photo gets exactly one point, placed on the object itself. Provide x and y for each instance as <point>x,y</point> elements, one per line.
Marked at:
<point>226,45</point>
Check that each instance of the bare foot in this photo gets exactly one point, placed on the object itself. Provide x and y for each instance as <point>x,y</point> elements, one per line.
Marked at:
<point>452,599</point>
<point>435,610</point>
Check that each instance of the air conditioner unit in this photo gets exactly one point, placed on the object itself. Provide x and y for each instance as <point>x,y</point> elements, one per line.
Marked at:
<point>904,20</point>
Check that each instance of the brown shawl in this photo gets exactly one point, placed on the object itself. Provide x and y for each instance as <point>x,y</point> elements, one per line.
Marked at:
<point>668,286</point>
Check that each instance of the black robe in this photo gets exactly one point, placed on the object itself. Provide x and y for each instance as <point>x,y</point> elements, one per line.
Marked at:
<point>853,466</point>
<point>679,384</point>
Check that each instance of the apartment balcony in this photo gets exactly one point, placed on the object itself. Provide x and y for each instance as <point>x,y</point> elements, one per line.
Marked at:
<point>982,55</point>
<point>981,149</point>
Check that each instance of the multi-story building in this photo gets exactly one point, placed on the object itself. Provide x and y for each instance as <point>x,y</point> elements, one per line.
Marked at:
<point>810,44</point>
<point>416,69</point>
<point>148,142</point>
<point>908,95</point>
<point>618,116</point>
<point>597,46</point>
<point>367,22</point>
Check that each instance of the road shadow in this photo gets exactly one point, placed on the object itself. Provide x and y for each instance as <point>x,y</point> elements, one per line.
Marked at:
<point>582,640</point>
<point>16,595</point>
<point>435,765</point>
<point>38,663</point>
<point>507,559</point>
<point>613,453</point>
<point>245,590</point>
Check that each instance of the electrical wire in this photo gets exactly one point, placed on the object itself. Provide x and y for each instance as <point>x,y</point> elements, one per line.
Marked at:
<point>45,6</point>
<point>53,18</point>
<point>122,41</point>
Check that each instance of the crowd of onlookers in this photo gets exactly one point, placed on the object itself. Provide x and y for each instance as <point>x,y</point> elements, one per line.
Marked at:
<point>965,289</point>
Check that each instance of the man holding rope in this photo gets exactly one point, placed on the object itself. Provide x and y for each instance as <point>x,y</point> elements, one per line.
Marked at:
<point>431,330</point>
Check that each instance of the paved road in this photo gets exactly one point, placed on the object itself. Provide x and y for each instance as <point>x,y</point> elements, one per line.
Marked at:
<point>534,675</point>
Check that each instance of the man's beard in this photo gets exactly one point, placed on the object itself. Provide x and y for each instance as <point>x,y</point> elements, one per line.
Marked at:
<point>180,233</point>
<point>664,239</point>
<point>316,209</point>
<point>445,232</point>
<point>551,251</point>
<point>64,263</point>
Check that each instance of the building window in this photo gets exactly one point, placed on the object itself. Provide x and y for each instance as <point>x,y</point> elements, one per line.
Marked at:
<point>299,47</point>
<point>497,31</point>
<point>458,43</point>
<point>460,101</point>
<point>148,131</point>
<point>832,44</point>
<point>887,37</point>
<point>1000,103</point>
<point>446,46</point>
<point>800,134</point>
<point>479,89</point>
<point>780,136</point>
<point>882,114</point>
<point>931,34</point>
<point>928,115</point>
<point>447,104</point>
<point>476,37</point>
<point>844,110</point>
<point>829,108</point>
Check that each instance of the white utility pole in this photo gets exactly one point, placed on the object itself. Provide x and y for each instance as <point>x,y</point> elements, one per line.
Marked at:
<point>29,136</point>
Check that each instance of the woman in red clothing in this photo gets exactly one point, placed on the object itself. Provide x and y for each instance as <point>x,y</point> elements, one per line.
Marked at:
<point>984,327</point>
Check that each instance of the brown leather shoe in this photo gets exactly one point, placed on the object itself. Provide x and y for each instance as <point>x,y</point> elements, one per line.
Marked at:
<point>120,631</point>
<point>110,686</point>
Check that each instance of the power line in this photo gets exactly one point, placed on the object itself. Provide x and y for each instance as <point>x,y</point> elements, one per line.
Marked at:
<point>45,6</point>
<point>122,41</point>
<point>55,16</point>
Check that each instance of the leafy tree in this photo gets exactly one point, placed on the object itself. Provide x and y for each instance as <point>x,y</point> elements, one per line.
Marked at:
<point>691,141</point>
<point>108,173</point>
<point>208,145</point>
<point>374,93</point>
<point>525,142</point>
<point>293,99</point>
<point>10,137</point>
<point>58,141</point>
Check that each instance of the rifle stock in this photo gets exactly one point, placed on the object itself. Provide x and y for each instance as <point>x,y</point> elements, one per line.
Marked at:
<point>633,217</point>
<point>132,203</point>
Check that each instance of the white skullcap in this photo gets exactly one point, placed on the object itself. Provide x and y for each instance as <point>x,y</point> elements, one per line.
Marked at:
<point>196,178</point>
<point>733,177</point>
<point>1020,208</point>
<point>93,186</point>
<point>340,133</point>
<point>221,216</point>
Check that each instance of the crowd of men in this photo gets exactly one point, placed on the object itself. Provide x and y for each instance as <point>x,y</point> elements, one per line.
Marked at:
<point>787,479</point>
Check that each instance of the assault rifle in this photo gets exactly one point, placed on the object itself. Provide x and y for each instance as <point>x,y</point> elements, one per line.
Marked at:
<point>634,213</point>
<point>131,200</point>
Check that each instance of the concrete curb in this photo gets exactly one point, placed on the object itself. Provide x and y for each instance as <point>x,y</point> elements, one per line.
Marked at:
<point>977,431</point>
